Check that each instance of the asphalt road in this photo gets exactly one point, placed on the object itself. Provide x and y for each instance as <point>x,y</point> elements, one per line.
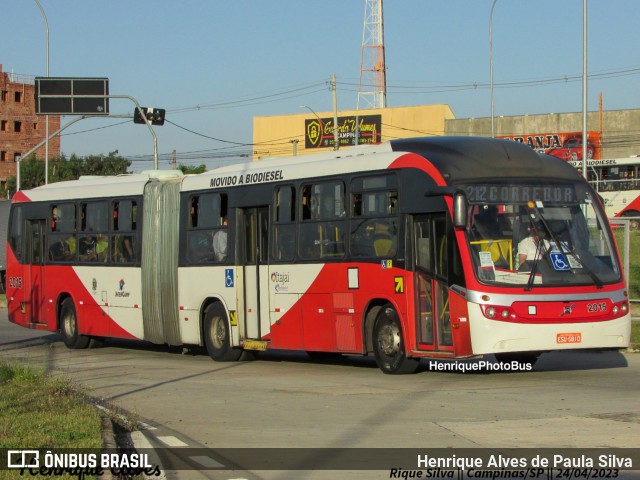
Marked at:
<point>569,400</point>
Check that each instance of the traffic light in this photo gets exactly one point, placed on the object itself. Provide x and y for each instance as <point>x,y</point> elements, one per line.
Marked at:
<point>154,115</point>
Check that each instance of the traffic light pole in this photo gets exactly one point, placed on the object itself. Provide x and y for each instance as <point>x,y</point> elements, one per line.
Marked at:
<point>49,137</point>
<point>153,134</point>
<point>135,102</point>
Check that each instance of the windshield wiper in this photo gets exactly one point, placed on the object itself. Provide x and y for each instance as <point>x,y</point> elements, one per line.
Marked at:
<point>563,248</point>
<point>540,252</point>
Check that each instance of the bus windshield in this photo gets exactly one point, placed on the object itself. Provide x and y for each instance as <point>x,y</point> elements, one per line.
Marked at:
<point>541,243</point>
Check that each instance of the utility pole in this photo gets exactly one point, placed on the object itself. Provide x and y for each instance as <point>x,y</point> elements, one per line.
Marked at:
<point>174,160</point>
<point>46,131</point>
<point>585,133</point>
<point>336,139</point>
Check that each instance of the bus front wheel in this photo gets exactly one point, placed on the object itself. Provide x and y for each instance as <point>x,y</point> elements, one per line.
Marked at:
<point>217,335</point>
<point>69,326</point>
<point>388,344</point>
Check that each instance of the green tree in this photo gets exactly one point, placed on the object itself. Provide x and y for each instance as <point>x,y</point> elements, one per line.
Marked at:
<point>63,168</point>
<point>189,169</point>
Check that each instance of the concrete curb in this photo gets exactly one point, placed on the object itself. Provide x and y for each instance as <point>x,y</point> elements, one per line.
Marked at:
<point>108,442</point>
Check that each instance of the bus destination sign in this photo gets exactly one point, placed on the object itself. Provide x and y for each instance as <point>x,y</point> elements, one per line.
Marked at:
<point>489,193</point>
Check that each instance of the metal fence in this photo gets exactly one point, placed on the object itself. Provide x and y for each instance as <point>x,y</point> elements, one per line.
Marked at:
<point>628,239</point>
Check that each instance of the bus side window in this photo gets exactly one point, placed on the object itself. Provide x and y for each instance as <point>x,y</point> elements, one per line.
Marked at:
<point>123,239</point>
<point>207,229</point>
<point>15,231</point>
<point>284,229</point>
<point>374,224</point>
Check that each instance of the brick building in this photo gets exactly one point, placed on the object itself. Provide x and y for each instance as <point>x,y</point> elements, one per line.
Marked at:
<point>20,128</point>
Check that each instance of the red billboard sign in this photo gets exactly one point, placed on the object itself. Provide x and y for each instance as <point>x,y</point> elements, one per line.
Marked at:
<point>567,145</point>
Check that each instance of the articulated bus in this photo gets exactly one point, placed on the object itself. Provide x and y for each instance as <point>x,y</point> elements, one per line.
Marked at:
<point>405,250</point>
<point>616,181</point>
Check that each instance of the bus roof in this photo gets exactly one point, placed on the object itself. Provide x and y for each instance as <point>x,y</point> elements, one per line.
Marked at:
<point>87,187</point>
<point>474,159</point>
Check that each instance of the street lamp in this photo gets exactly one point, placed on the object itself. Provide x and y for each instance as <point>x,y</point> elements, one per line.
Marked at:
<point>46,129</point>
<point>312,111</point>
<point>493,133</point>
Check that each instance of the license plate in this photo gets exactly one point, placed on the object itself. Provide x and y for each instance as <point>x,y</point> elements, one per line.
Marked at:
<point>575,337</point>
<point>254,345</point>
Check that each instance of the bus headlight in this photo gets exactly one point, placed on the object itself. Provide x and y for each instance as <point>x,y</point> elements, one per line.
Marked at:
<point>498,312</point>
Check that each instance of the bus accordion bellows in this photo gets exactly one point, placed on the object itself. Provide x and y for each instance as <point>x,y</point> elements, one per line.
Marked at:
<point>440,247</point>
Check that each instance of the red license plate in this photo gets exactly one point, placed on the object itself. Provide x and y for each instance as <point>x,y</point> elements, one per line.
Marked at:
<point>575,337</point>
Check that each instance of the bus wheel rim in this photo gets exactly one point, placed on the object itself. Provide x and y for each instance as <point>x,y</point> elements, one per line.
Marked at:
<point>389,340</point>
<point>218,332</point>
<point>69,325</point>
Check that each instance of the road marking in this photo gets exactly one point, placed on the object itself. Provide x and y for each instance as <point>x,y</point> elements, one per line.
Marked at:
<point>145,426</point>
<point>172,441</point>
<point>140,441</point>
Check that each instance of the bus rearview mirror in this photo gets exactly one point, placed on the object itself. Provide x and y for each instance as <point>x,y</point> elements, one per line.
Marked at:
<point>459,210</point>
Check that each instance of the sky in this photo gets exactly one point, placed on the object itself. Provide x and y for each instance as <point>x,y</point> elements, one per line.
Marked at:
<point>216,64</point>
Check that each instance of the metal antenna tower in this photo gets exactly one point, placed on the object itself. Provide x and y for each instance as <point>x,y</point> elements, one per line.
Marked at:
<point>373,78</point>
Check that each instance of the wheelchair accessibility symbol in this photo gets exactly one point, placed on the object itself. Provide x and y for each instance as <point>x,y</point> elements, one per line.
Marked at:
<point>228,277</point>
<point>559,262</point>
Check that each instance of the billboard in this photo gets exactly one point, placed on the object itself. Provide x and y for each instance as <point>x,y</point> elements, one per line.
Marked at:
<point>319,132</point>
<point>567,145</point>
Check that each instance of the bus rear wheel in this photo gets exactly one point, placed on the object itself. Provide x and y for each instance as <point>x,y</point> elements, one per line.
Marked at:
<point>217,335</point>
<point>388,344</point>
<point>69,326</point>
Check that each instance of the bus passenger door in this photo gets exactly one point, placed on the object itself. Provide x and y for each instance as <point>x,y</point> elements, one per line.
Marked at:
<point>431,287</point>
<point>255,268</point>
<point>34,277</point>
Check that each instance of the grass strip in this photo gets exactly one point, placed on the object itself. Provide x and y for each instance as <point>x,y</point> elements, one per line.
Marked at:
<point>38,411</point>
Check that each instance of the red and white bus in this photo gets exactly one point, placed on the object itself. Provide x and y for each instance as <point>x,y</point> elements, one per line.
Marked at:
<point>385,249</point>
<point>616,181</point>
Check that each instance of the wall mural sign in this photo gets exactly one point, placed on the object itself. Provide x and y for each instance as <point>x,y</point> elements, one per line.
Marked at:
<point>318,132</point>
<point>567,146</point>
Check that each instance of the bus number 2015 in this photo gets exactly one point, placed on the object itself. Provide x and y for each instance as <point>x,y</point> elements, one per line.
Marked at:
<point>597,307</point>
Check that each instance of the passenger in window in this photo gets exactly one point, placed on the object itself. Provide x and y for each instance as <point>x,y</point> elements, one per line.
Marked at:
<point>102,247</point>
<point>220,242</point>
<point>54,218</point>
<point>383,240</point>
<point>94,248</point>
<point>70,247</point>
<point>533,246</point>
<point>201,246</point>
<point>127,249</point>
